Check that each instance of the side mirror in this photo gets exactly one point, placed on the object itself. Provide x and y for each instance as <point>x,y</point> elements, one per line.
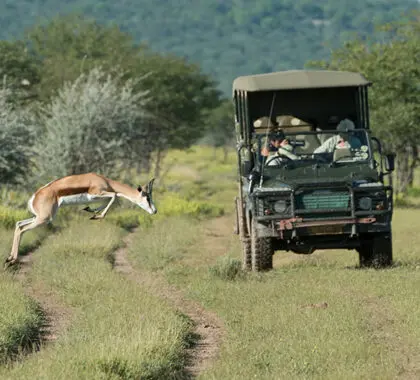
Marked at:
<point>390,162</point>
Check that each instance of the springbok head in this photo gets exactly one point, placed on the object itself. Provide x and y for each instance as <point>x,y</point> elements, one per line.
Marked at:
<point>145,200</point>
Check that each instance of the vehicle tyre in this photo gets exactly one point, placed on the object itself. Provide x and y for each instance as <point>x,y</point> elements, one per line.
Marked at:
<point>376,251</point>
<point>244,237</point>
<point>261,251</point>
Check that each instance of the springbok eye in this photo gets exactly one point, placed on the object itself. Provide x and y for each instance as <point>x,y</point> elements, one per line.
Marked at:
<point>139,189</point>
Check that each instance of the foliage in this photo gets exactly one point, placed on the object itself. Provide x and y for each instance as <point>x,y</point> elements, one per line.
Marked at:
<point>69,47</point>
<point>16,138</point>
<point>19,70</point>
<point>227,38</point>
<point>93,124</point>
<point>392,65</point>
<point>220,127</point>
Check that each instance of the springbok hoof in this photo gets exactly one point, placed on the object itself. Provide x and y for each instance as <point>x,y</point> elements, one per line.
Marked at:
<point>95,217</point>
<point>9,262</point>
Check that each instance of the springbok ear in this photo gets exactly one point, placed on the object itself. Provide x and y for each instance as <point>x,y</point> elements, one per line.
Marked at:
<point>139,189</point>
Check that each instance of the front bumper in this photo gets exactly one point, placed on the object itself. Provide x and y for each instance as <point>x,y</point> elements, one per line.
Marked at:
<point>349,221</point>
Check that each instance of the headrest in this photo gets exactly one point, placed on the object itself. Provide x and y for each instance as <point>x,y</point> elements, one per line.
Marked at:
<point>263,122</point>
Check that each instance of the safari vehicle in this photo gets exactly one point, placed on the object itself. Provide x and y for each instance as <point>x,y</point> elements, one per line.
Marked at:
<point>313,198</point>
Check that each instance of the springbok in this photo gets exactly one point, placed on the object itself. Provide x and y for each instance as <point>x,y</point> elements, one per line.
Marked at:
<point>73,190</point>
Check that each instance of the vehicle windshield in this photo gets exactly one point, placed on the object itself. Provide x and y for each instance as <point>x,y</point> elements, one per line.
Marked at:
<point>314,147</point>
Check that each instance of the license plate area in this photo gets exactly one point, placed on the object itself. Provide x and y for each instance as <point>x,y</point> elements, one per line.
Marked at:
<point>326,230</point>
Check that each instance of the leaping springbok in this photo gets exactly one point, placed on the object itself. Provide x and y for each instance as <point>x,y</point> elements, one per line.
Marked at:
<point>73,190</point>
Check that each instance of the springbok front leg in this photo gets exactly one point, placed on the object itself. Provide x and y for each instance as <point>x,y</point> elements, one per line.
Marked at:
<point>21,227</point>
<point>95,210</point>
<point>113,196</point>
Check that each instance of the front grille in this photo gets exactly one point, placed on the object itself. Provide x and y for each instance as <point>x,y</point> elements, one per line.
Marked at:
<point>322,199</point>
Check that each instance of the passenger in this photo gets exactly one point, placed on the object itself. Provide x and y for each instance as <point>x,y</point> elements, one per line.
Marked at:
<point>278,145</point>
<point>341,140</point>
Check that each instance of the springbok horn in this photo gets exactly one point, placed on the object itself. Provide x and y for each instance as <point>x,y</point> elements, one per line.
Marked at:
<point>149,186</point>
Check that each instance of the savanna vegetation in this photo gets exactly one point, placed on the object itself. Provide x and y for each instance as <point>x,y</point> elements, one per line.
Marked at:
<point>226,38</point>
<point>77,96</point>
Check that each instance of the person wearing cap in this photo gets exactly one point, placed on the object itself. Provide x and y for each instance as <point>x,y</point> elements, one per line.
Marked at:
<point>341,140</point>
<point>278,144</point>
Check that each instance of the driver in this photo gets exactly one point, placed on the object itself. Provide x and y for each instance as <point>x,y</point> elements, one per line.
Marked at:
<point>278,145</point>
<point>341,140</point>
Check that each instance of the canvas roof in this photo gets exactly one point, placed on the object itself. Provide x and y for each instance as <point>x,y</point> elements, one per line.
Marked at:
<point>299,79</point>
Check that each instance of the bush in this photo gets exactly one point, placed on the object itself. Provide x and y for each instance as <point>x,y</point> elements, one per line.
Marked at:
<point>16,139</point>
<point>93,124</point>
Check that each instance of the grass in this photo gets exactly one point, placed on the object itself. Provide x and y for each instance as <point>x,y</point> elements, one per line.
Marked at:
<point>20,320</point>
<point>276,329</point>
<point>118,330</point>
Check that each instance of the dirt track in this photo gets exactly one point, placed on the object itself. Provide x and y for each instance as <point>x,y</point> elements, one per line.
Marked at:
<point>208,327</point>
<point>57,316</point>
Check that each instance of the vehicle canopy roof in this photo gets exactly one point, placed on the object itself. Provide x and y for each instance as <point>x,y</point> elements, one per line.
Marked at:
<point>299,79</point>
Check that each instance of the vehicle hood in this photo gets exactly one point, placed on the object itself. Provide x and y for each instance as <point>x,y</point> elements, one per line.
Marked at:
<point>319,174</point>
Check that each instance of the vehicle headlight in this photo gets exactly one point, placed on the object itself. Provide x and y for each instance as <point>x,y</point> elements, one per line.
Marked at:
<point>365,203</point>
<point>280,206</point>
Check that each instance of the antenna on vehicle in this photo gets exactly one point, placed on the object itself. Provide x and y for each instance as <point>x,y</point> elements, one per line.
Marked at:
<point>266,135</point>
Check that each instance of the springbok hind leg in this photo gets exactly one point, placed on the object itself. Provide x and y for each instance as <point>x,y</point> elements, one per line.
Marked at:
<point>21,227</point>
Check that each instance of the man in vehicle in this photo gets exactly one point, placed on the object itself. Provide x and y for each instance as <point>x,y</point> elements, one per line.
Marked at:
<point>278,146</point>
<point>343,139</point>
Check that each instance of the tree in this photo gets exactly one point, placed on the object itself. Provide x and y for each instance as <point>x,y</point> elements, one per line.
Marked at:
<point>19,71</point>
<point>180,93</point>
<point>181,99</point>
<point>16,139</point>
<point>220,127</point>
<point>71,45</point>
<point>93,124</point>
<point>393,66</point>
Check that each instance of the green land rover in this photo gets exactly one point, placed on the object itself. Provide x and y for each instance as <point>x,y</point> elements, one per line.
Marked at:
<point>311,175</point>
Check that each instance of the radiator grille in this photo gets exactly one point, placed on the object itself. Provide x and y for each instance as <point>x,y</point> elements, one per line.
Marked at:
<point>322,199</point>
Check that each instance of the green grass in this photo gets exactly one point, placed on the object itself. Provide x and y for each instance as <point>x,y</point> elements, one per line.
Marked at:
<point>20,320</point>
<point>118,330</point>
<point>370,328</point>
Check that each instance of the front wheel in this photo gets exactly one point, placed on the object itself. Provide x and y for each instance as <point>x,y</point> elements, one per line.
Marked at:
<point>376,251</point>
<point>261,250</point>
